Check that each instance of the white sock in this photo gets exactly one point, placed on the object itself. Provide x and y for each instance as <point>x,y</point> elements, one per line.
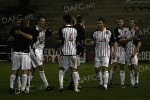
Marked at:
<point>30,76</point>
<point>136,76</point>
<point>18,82</point>
<point>79,77</point>
<point>24,82</point>
<point>105,78</point>
<point>132,77</point>
<point>43,77</point>
<point>12,81</point>
<point>99,77</point>
<point>122,76</point>
<point>75,76</point>
<point>112,73</point>
<point>61,78</point>
<point>64,72</point>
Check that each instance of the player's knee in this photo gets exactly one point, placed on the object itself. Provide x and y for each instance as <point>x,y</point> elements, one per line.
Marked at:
<point>97,70</point>
<point>105,68</point>
<point>121,66</point>
<point>61,68</point>
<point>41,67</point>
<point>14,72</point>
<point>74,70</point>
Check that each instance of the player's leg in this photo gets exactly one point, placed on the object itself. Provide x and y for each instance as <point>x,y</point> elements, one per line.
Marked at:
<point>43,77</point>
<point>75,74</point>
<point>61,79</point>
<point>132,79</point>
<point>112,73</point>
<point>105,64</point>
<point>63,65</point>
<point>15,65</point>
<point>121,63</point>
<point>71,83</point>
<point>12,81</point>
<point>78,64</point>
<point>135,70</point>
<point>31,72</point>
<point>128,61</point>
<point>25,67</point>
<point>39,62</point>
<point>113,68</point>
<point>18,80</point>
<point>122,75</point>
<point>98,72</point>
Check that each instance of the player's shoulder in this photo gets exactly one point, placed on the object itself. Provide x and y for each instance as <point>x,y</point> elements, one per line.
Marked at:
<point>64,27</point>
<point>78,26</point>
<point>126,27</point>
<point>33,28</point>
<point>108,29</point>
<point>116,28</point>
<point>96,30</point>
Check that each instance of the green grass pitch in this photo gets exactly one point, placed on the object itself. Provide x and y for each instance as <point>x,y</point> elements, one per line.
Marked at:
<point>89,83</point>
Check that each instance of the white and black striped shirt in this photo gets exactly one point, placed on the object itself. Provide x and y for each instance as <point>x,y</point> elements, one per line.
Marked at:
<point>121,33</point>
<point>102,40</point>
<point>131,45</point>
<point>40,43</point>
<point>68,35</point>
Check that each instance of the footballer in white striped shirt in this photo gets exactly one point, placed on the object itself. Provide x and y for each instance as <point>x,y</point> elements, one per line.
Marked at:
<point>102,37</point>
<point>68,35</point>
<point>120,33</point>
<point>132,52</point>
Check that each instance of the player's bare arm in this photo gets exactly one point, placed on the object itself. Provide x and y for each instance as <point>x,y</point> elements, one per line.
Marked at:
<point>115,49</point>
<point>11,38</point>
<point>136,50</point>
<point>125,40</point>
<point>28,36</point>
<point>54,32</point>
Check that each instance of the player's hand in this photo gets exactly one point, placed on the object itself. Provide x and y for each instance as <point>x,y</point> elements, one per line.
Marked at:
<point>134,37</point>
<point>133,55</point>
<point>41,29</point>
<point>84,49</point>
<point>18,31</point>
<point>114,55</point>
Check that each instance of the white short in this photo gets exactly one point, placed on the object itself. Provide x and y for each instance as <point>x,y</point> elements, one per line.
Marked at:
<point>36,57</point>
<point>101,61</point>
<point>78,60</point>
<point>120,56</point>
<point>131,61</point>
<point>68,61</point>
<point>21,61</point>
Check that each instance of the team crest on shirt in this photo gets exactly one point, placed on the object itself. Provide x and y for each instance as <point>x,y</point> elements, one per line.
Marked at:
<point>70,38</point>
<point>107,32</point>
<point>101,39</point>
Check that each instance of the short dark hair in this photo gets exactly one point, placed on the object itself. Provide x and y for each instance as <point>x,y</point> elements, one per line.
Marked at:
<point>120,19</point>
<point>136,22</point>
<point>101,19</point>
<point>39,17</point>
<point>80,19</point>
<point>67,18</point>
<point>24,23</point>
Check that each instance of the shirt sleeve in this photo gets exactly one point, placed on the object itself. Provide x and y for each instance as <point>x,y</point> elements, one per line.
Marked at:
<point>48,32</point>
<point>116,35</point>
<point>135,42</point>
<point>93,36</point>
<point>35,34</point>
<point>112,38</point>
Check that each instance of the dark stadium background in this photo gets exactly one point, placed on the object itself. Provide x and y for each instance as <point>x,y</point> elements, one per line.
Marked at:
<point>53,10</point>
